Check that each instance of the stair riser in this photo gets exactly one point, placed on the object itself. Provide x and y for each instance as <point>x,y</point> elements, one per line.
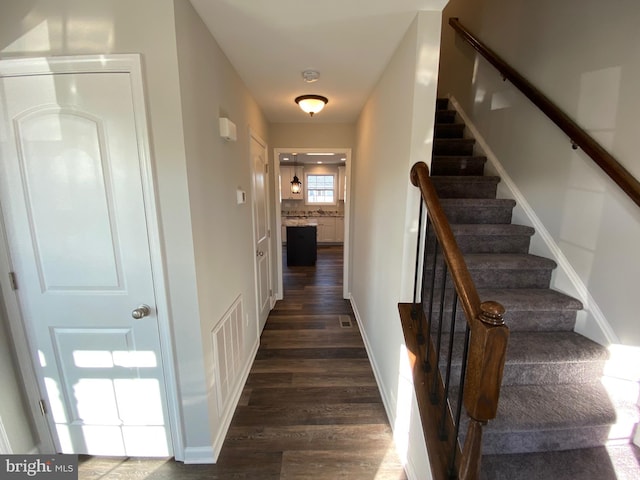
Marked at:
<point>477,214</point>
<point>517,321</point>
<point>458,166</point>
<point>501,278</point>
<point>453,146</point>
<point>445,116</point>
<point>449,130</point>
<point>447,189</point>
<point>543,440</point>
<point>489,243</point>
<point>442,103</point>
<point>538,374</point>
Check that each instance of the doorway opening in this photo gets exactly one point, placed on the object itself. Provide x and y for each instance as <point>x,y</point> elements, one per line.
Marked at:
<point>323,201</point>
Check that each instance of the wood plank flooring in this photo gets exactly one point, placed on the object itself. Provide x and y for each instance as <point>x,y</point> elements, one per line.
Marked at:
<point>310,409</point>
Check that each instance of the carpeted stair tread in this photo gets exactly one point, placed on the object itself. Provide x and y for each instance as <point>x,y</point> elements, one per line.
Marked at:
<point>540,358</point>
<point>527,309</point>
<point>507,261</point>
<point>460,229</point>
<point>450,165</point>
<point>616,462</point>
<point>535,418</point>
<point>490,238</point>
<point>538,418</point>
<point>527,407</point>
<point>503,270</point>
<point>478,210</point>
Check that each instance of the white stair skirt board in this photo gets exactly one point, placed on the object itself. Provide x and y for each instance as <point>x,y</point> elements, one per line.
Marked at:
<point>591,323</point>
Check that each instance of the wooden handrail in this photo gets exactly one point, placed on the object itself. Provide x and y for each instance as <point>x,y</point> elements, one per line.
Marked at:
<point>488,333</point>
<point>579,138</point>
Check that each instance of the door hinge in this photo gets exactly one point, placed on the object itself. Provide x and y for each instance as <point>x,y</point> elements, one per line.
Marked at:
<point>268,233</point>
<point>43,407</point>
<point>266,168</point>
<point>270,292</point>
<point>13,281</point>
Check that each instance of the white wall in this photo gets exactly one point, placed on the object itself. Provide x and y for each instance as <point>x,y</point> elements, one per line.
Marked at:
<point>584,56</point>
<point>69,27</point>
<point>394,131</point>
<point>14,418</point>
<point>222,229</point>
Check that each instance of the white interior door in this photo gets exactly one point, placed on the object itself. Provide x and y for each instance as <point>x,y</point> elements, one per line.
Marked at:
<point>72,198</point>
<point>261,229</point>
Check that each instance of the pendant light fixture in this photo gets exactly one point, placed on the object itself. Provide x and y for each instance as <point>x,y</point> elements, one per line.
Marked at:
<point>296,185</point>
<point>311,103</point>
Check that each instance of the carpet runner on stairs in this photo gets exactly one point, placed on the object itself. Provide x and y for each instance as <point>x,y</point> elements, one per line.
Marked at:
<point>554,416</point>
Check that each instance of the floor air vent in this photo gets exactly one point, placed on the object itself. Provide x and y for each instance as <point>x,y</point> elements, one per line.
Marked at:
<point>345,321</point>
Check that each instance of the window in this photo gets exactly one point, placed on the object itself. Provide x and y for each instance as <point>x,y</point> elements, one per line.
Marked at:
<point>321,189</point>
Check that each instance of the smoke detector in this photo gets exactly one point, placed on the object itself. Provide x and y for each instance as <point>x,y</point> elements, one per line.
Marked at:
<point>310,76</point>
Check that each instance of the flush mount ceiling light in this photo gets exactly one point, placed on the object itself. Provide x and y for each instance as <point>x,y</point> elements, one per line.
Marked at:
<point>311,103</point>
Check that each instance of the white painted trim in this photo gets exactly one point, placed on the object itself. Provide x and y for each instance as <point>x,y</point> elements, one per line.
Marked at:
<point>590,306</point>
<point>227,416</point>
<point>263,144</point>
<point>199,455</point>
<point>23,348</point>
<point>5,446</point>
<point>130,64</point>
<point>346,284</point>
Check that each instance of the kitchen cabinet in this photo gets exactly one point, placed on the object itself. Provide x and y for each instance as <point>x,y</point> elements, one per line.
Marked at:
<point>339,229</point>
<point>342,183</point>
<point>286,175</point>
<point>326,229</point>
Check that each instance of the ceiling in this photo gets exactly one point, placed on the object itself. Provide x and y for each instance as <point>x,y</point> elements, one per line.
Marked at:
<point>313,158</point>
<point>271,42</point>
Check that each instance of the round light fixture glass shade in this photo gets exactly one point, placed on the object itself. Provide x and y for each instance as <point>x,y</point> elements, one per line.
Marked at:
<point>311,103</point>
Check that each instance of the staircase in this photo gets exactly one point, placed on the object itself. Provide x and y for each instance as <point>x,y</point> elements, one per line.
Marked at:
<point>554,415</point>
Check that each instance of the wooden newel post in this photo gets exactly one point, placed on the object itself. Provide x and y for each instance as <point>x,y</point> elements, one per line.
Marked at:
<point>487,352</point>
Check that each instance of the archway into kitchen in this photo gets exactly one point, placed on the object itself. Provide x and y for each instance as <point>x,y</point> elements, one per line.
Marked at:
<point>331,216</point>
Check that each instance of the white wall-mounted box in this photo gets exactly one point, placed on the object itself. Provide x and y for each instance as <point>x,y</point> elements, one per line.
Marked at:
<point>227,129</point>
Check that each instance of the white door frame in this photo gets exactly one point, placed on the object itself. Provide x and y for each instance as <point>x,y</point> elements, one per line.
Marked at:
<point>346,287</point>
<point>257,138</point>
<point>20,329</point>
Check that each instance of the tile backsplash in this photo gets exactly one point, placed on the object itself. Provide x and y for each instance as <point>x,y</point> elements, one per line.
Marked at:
<point>297,208</point>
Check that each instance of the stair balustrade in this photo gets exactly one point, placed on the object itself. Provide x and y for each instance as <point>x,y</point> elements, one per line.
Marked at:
<point>443,387</point>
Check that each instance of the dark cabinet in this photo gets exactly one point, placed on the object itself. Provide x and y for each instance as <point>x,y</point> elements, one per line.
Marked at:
<point>301,246</point>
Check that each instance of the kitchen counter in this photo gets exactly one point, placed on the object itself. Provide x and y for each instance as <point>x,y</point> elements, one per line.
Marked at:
<point>299,222</point>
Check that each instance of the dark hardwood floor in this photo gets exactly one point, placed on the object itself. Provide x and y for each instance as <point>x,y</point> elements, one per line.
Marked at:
<point>310,409</point>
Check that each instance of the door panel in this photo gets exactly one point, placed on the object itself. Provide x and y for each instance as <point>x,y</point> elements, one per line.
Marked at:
<point>261,230</point>
<point>76,224</point>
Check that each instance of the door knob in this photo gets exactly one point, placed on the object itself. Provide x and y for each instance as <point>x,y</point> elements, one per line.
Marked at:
<point>141,312</point>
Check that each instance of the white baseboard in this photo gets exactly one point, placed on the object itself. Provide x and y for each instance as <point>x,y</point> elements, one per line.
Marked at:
<point>591,322</point>
<point>199,455</point>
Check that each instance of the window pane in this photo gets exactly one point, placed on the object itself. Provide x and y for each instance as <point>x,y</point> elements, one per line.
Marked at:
<point>320,188</point>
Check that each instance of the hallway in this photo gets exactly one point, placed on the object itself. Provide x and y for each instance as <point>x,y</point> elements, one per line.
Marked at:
<point>311,407</point>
